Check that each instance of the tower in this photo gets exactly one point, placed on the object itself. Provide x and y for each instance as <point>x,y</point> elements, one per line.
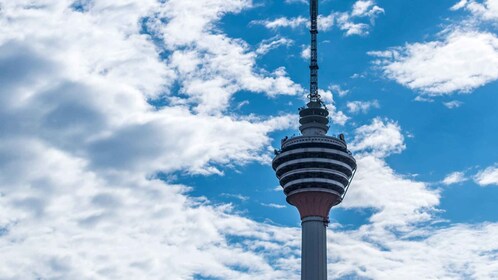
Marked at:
<point>314,170</point>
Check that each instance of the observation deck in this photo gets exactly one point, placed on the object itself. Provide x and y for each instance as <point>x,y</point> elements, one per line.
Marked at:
<point>314,169</point>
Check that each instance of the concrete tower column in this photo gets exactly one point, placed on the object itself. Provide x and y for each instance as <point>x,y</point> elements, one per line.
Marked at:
<point>314,249</point>
<point>314,208</point>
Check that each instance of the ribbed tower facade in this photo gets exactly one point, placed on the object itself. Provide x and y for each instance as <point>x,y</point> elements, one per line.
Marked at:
<point>314,170</point>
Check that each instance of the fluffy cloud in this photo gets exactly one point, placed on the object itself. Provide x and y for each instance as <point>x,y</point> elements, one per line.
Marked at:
<point>282,22</point>
<point>338,117</point>
<point>346,21</point>
<point>488,176</point>
<point>398,243</point>
<point>463,58</point>
<point>486,9</point>
<point>447,253</point>
<point>362,106</point>
<point>80,144</point>
<point>213,66</point>
<point>380,138</point>
<point>337,89</point>
<point>306,52</point>
<point>366,8</point>
<point>399,201</point>
<point>461,62</point>
<point>453,104</point>
<point>296,1</point>
<point>361,9</point>
<point>454,178</point>
<point>267,45</point>
<point>66,221</point>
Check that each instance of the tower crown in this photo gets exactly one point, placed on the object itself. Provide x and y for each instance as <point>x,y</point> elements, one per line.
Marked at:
<point>314,119</point>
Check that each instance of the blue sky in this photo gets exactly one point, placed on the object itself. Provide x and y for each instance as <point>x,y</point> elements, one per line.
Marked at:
<point>136,137</point>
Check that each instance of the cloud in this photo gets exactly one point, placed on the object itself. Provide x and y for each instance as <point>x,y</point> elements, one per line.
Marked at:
<point>338,117</point>
<point>346,21</point>
<point>398,201</point>
<point>223,66</point>
<point>296,1</point>
<point>463,58</point>
<point>398,241</point>
<point>81,147</point>
<point>461,62</point>
<point>483,10</point>
<point>454,178</point>
<point>362,106</point>
<point>267,45</point>
<point>361,9</point>
<point>237,196</point>
<point>366,8</point>
<point>453,104</point>
<point>274,205</point>
<point>306,53</point>
<point>488,176</point>
<point>282,22</point>
<point>326,22</point>
<point>338,89</point>
<point>380,138</point>
<point>446,253</point>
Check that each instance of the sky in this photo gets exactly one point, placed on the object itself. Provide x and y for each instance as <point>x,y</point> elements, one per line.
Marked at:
<point>136,137</point>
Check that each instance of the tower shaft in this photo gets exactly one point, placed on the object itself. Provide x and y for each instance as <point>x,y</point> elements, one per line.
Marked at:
<point>314,252</point>
<point>314,51</point>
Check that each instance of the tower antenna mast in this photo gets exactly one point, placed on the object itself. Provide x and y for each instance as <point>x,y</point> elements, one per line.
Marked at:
<point>314,96</point>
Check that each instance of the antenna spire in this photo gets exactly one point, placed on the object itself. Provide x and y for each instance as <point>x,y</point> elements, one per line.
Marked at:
<point>314,96</point>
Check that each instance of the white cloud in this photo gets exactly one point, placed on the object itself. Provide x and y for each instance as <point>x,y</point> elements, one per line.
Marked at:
<point>224,65</point>
<point>338,117</point>
<point>306,52</point>
<point>448,253</point>
<point>366,8</point>
<point>242,104</point>
<point>282,22</point>
<point>362,106</point>
<point>397,243</point>
<point>488,176</point>
<point>79,141</point>
<point>326,22</point>
<point>485,10</point>
<point>267,45</point>
<point>352,28</point>
<point>380,138</point>
<point>274,205</point>
<point>454,178</point>
<point>397,201</point>
<point>237,196</point>
<point>453,104</point>
<point>346,21</point>
<point>459,5</point>
<point>296,1</point>
<point>463,61</point>
<point>361,9</point>
<point>337,89</point>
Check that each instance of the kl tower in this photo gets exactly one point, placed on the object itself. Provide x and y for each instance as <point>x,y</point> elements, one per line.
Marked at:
<point>314,170</point>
